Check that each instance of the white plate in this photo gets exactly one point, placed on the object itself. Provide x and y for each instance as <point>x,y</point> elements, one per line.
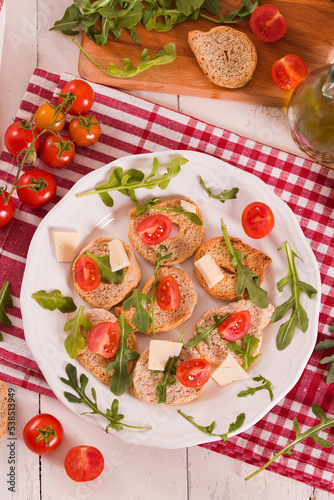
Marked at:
<point>91,218</point>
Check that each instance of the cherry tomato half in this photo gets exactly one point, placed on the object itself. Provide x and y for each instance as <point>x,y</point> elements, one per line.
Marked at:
<point>48,116</point>
<point>193,373</point>
<point>43,434</point>
<point>103,339</point>
<point>84,131</point>
<point>19,135</point>
<point>288,71</point>
<point>154,229</point>
<point>83,93</point>
<point>257,220</point>
<point>57,152</point>
<point>7,210</point>
<point>84,463</point>
<point>235,326</point>
<point>267,23</point>
<point>87,274</point>
<point>168,294</point>
<point>40,188</point>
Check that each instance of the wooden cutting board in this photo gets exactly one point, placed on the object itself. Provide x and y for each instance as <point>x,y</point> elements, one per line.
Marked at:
<point>310,35</point>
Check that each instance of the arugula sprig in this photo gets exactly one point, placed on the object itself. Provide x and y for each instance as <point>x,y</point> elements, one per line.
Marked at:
<point>103,263</point>
<point>250,342</point>
<point>141,318</point>
<point>312,432</point>
<point>168,380</point>
<point>246,279</point>
<point>234,426</point>
<point>265,384</point>
<point>204,333</point>
<point>54,300</point>
<point>327,344</point>
<point>194,218</point>
<point>227,194</point>
<point>5,300</point>
<point>111,414</point>
<point>298,315</point>
<point>161,256</point>
<point>75,341</point>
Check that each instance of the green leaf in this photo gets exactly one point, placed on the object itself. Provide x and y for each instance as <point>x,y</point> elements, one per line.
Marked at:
<point>70,21</point>
<point>234,426</point>
<point>194,218</point>
<point>141,319</point>
<point>5,300</point>
<point>146,206</point>
<point>265,384</point>
<point>75,341</point>
<point>54,300</point>
<point>227,194</point>
<point>107,274</point>
<point>249,343</point>
<point>204,333</point>
<point>169,379</point>
<point>285,332</point>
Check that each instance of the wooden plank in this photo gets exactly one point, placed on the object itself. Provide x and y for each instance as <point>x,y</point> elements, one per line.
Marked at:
<point>310,35</point>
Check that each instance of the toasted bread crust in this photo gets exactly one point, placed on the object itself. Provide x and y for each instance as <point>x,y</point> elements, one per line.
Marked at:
<point>3,408</point>
<point>182,246</point>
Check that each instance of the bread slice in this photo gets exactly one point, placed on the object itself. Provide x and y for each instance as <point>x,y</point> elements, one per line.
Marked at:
<point>218,349</point>
<point>182,246</point>
<point>95,363</point>
<point>145,382</point>
<point>3,408</point>
<point>106,295</point>
<point>167,320</point>
<point>256,261</point>
<point>226,56</point>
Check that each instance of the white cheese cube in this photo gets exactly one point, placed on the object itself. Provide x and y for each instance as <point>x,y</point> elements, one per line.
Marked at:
<point>211,273</point>
<point>229,371</point>
<point>65,244</point>
<point>188,207</point>
<point>161,351</point>
<point>117,255</point>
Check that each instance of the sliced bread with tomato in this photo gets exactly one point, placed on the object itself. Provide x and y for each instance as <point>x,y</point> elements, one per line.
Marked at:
<point>104,339</point>
<point>152,228</point>
<point>244,318</point>
<point>3,408</point>
<point>176,298</point>
<point>92,274</point>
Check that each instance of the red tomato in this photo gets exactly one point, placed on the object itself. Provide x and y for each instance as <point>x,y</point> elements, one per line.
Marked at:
<point>257,220</point>
<point>19,135</point>
<point>235,326</point>
<point>48,116</point>
<point>43,434</point>
<point>168,294</point>
<point>57,152</point>
<point>154,229</point>
<point>84,131</point>
<point>7,210</point>
<point>193,373</point>
<point>103,339</point>
<point>40,188</point>
<point>87,274</point>
<point>84,463</point>
<point>84,96</point>
<point>288,71</point>
<point>267,23</point>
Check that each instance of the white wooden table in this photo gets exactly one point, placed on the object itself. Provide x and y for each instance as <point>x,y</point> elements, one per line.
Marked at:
<point>131,472</point>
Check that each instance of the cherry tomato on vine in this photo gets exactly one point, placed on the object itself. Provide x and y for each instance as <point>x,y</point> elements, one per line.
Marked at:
<point>154,229</point>
<point>43,434</point>
<point>39,188</point>
<point>193,373</point>
<point>235,326</point>
<point>267,23</point>
<point>87,274</point>
<point>7,210</point>
<point>288,71</point>
<point>83,93</point>
<point>103,339</point>
<point>257,220</point>
<point>48,116</point>
<point>19,135</point>
<point>168,294</point>
<point>85,130</point>
<point>57,151</point>
<point>84,463</point>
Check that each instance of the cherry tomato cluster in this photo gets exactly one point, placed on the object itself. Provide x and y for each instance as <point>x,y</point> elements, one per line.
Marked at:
<point>43,133</point>
<point>269,25</point>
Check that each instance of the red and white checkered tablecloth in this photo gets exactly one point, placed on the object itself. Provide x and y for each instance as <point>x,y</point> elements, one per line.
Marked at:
<point>132,126</point>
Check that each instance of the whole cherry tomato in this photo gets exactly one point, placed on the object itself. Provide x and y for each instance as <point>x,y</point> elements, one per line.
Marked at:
<point>235,326</point>
<point>43,434</point>
<point>87,274</point>
<point>288,71</point>
<point>168,294</point>
<point>84,463</point>
<point>154,229</point>
<point>39,188</point>
<point>19,136</point>
<point>103,339</point>
<point>57,151</point>
<point>51,117</point>
<point>7,209</point>
<point>85,130</point>
<point>84,96</point>
<point>267,23</point>
<point>193,373</point>
<point>257,220</point>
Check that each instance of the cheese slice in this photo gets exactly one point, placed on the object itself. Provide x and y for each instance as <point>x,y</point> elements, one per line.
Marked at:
<point>188,207</point>
<point>117,255</point>
<point>229,371</point>
<point>211,273</point>
<point>65,244</point>
<point>161,351</point>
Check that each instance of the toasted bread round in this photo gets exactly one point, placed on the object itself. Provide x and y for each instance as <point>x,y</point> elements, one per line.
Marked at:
<point>95,363</point>
<point>106,295</point>
<point>145,382</point>
<point>226,56</point>
<point>166,320</point>
<point>182,246</point>
<point>218,349</point>
<point>256,261</point>
<point>3,408</point>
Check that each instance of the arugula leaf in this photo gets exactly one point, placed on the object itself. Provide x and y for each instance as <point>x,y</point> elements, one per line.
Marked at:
<point>298,315</point>
<point>168,380</point>
<point>111,414</point>
<point>312,432</point>
<point>54,300</point>
<point>180,210</point>
<point>266,384</point>
<point>204,333</point>
<point>227,194</point>
<point>327,344</point>
<point>74,19</point>
<point>234,16</point>
<point>107,274</point>
<point>120,379</point>
<point>75,341</point>
<point>5,300</point>
<point>159,257</point>
<point>246,279</point>
<point>250,342</point>
<point>146,206</point>
<point>234,426</point>
<point>141,319</point>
